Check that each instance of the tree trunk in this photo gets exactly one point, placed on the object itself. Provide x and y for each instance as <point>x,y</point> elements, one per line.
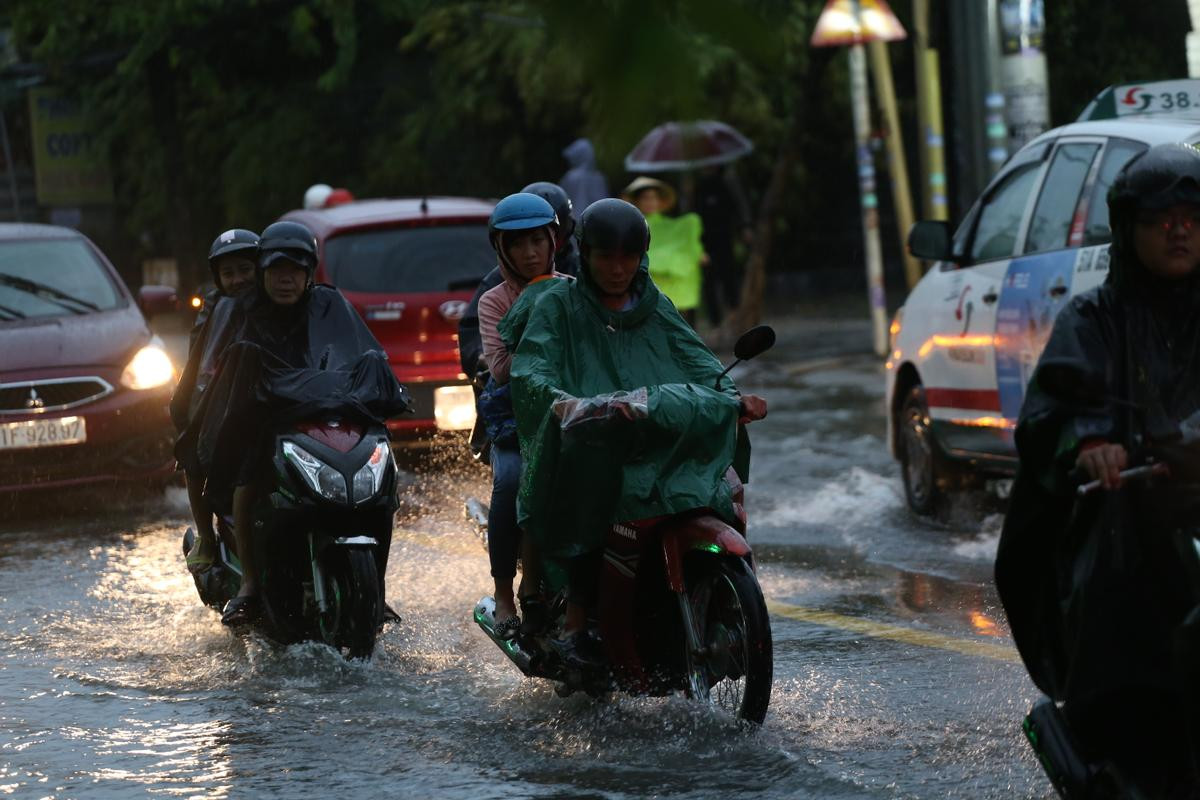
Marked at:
<point>750,310</point>
<point>160,81</point>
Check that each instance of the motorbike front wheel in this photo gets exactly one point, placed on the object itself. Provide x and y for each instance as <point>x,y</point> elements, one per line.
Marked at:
<point>353,600</point>
<point>734,666</point>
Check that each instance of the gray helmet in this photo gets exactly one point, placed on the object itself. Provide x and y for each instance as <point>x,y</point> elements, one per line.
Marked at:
<point>554,194</point>
<point>234,240</point>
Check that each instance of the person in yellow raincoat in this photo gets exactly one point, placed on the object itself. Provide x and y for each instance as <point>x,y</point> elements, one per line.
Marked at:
<point>676,254</point>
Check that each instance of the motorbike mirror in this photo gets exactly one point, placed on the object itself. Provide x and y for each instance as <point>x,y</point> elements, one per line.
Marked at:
<point>1069,381</point>
<point>754,342</point>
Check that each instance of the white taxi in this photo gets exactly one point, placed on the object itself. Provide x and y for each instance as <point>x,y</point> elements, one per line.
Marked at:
<point>969,335</point>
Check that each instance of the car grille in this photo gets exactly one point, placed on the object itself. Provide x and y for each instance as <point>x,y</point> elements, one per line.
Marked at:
<point>51,395</point>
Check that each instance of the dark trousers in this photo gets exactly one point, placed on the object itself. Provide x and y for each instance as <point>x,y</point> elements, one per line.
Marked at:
<point>504,537</point>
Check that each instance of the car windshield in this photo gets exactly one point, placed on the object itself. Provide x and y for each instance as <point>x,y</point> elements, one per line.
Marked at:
<point>48,278</point>
<point>424,259</point>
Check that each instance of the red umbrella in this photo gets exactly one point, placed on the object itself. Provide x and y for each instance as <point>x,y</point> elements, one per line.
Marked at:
<point>675,146</point>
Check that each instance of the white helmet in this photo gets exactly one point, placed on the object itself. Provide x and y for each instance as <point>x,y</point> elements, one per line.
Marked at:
<point>316,195</point>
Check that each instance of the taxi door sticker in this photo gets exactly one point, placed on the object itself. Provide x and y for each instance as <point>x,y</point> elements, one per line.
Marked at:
<point>1035,289</point>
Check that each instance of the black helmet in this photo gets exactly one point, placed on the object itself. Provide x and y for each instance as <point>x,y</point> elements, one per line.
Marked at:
<point>235,240</point>
<point>1162,176</point>
<point>553,194</point>
<point>288,240</point>
<point>613,224</point>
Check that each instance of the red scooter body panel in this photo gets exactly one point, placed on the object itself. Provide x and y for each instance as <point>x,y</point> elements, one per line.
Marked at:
<point>623,552</point>
<point>701,532</point>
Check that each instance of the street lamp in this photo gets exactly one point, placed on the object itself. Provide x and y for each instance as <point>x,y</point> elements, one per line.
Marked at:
<point>853,22</point>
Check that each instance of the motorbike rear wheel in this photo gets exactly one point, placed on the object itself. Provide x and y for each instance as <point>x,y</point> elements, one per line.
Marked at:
<point>353,597</point>
<point>735,665</point>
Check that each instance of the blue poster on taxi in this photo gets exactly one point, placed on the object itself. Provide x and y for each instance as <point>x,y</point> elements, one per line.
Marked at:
<point>1035,289</point>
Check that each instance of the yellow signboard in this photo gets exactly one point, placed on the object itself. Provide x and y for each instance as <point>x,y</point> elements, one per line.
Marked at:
<point>69,167</point>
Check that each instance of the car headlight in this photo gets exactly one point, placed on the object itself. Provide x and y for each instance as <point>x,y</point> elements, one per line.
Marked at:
<point>368,479</point>
<point>454,408</point>
<point>149,369</point>
<point>320,477</point>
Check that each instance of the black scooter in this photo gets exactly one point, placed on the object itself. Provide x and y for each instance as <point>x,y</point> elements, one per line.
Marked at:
<point>1165,458</point>
<point>323,532</point>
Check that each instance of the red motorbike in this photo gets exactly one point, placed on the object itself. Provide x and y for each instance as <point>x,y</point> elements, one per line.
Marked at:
<point>680,608</point>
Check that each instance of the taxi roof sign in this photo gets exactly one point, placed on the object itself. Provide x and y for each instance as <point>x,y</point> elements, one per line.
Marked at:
<point>1173,98</point>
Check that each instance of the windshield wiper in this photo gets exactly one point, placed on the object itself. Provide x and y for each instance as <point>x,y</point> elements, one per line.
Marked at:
<point>13,313</point>
<point>44,292</point>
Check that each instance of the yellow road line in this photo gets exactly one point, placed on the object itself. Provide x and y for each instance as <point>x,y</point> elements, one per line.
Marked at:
<point>879,630</point>
<point>896,633</point>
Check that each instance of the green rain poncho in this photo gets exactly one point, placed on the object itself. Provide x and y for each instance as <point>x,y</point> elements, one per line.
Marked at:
<point>579,477</point>
<point>675,253</point>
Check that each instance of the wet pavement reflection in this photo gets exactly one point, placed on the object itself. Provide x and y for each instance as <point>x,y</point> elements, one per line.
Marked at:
<point>116,682</point>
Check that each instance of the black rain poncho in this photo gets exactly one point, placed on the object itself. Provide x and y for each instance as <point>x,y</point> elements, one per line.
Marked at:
<point>585,469</point>
<point>1092,599</point>
<point>265,366</point>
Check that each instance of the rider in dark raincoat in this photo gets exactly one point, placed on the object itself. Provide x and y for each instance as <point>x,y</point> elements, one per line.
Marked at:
<point>289,351</point>
<point>621,409</point>
<point>1093,592</point>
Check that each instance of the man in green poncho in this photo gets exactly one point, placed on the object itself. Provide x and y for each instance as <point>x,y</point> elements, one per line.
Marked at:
<point>617,406</point>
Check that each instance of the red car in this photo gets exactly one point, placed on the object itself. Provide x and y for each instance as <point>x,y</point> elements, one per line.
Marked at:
<point>410,267</point>
<point>83,385</point>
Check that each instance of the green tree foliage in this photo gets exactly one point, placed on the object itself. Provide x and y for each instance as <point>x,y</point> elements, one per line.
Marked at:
<point>1093,45</point>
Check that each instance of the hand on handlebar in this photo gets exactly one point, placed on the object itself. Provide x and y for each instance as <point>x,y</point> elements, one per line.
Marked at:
<point>1103,462</point>
<point>751,408</point>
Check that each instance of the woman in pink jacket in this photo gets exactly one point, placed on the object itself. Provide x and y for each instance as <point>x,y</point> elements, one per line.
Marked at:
<point>522,229</point>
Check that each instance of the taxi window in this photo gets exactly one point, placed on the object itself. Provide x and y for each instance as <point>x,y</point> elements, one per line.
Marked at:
<point>1055,208</point>
<point>1000,218</point>
<point>1116,155</point>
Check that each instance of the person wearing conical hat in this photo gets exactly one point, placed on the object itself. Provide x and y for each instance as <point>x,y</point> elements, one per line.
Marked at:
<point>676,253</point>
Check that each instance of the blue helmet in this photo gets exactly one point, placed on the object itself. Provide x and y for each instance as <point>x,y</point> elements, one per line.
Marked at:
<point>521,212</point>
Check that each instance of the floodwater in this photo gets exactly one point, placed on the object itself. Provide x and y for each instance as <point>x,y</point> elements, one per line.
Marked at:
<point>894,673</point>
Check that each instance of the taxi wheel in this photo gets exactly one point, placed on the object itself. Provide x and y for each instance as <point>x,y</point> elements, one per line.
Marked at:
<point>919,459</point>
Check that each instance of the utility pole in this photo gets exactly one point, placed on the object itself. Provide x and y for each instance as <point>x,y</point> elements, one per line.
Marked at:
<point>980,144</point>
<point>930,145</point>
<point>885,92</point>
<point>843,23</point>
<point>1023,70</point>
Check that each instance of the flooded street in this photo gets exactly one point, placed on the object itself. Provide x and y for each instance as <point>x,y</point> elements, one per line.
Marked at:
<point>895,676</point>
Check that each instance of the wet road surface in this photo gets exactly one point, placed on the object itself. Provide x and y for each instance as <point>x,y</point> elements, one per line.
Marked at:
<point>894,673</point>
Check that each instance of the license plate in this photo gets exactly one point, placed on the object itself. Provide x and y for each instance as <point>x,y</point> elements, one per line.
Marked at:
<point>42,433</point>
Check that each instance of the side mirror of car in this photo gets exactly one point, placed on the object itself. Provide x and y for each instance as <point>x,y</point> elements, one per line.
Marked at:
<point>154,300</point>
<point>754,342</point>
<point>932,240</point>
<point>1069,381</point>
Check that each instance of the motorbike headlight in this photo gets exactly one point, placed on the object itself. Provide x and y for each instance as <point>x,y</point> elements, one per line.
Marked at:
<point>320,477</point>
<point>368,479</point>
<point>149,369</point>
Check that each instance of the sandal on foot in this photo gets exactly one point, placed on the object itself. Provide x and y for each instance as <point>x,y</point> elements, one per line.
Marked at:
<point>535,615</point>
<point>241,610</point>
<point>508,628</point>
